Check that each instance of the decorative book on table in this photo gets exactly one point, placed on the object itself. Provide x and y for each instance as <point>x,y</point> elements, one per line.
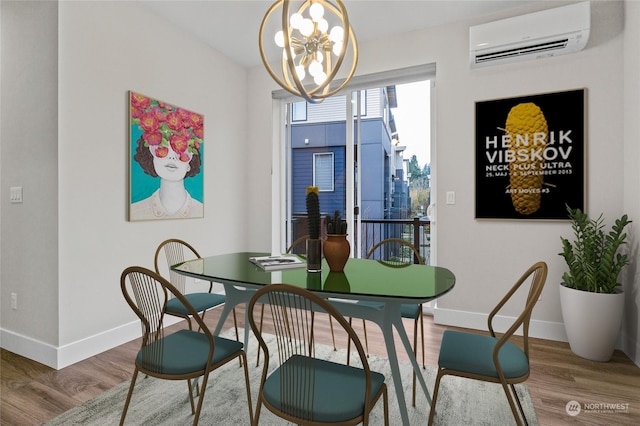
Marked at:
<point>276,262</point>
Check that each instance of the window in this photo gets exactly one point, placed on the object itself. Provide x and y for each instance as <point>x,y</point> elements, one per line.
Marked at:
<point>299,111</point>
<point>323,171</point>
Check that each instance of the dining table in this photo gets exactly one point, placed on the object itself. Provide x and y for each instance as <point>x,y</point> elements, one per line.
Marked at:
<point>389,285</point>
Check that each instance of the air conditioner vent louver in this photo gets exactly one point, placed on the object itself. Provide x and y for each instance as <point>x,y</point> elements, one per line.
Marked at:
<point>551,32</point>
<point>527,50</point>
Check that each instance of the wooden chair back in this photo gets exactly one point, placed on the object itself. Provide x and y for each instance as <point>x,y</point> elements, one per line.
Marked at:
<point>395,251</point>
<point>299,245</point>
<point>169,253</point>
<point>536,277</point>
<point>147,294</point>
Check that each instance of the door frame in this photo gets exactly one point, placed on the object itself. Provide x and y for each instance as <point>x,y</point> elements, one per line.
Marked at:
<point>280,214</point>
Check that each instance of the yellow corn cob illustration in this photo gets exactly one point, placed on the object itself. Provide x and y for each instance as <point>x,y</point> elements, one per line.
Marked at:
<point>528,134</point>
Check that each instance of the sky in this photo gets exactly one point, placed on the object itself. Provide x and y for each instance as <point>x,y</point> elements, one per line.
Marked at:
<point>413,120</point>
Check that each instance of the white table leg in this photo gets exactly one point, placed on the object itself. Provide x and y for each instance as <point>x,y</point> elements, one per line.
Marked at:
<point>387,318</point>
<point>386,325</point>
<point>407,346</point>
<point>234,297</point>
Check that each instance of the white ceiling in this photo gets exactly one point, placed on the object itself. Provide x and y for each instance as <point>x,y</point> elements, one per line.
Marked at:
<point>231,26</point>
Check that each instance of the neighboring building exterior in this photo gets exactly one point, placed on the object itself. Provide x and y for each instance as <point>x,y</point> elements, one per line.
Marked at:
<point>318,141</point>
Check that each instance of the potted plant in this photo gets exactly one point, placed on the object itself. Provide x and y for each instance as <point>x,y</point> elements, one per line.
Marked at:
<point>337,248</point>
<point>591,298</point>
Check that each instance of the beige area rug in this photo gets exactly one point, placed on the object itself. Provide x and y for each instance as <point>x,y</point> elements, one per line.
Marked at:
<point>162,402</point>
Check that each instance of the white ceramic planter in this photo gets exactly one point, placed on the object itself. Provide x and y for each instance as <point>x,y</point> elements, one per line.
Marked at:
<point>592,322</point>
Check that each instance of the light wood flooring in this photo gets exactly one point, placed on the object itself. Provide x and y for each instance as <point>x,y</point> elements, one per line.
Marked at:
<point>32,393</point>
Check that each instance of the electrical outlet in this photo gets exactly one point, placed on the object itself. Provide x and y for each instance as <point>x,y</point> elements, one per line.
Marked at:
<point>14,301</point>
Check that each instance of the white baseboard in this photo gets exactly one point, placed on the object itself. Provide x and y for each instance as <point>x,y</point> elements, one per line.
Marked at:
<point>63,356</point>
<point>632,348</point>
<point>539,329</point>
<point>44,353</point>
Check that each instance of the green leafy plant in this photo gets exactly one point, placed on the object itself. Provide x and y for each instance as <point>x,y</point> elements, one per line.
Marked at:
<point>335,224</point>
<point>593,258</point>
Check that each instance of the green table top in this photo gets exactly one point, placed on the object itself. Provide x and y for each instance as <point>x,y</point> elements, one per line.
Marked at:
<point>361,279</point>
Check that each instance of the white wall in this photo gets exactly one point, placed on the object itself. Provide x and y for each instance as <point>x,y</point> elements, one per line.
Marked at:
<point>28,142</point>
<point>488,256</point>
<point>631,127</point>
<point>77,182</point>
<point>80,311</point>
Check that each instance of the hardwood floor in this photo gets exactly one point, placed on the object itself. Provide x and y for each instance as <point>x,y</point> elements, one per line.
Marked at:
<point>32,393</point>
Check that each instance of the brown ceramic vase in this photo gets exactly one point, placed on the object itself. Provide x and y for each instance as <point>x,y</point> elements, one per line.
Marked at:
<point>336,250</point>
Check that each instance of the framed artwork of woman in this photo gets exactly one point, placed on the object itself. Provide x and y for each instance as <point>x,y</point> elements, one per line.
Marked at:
<point>166,160</point>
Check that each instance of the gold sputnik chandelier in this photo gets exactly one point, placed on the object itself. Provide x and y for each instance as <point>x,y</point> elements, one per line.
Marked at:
<point>315,41</point>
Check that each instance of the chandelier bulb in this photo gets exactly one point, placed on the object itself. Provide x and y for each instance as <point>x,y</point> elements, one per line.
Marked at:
<point>316,11</point>
<point>315,68</point>
<point>279,38</point>
<point>337,34</point>
<point>323,25</point>
<point>296,21</point>
<point>337,48</point>
<point>306,27</point>
<point>319,78</point>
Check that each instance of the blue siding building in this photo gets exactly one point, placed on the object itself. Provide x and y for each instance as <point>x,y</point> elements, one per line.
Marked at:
<point>318,142</point>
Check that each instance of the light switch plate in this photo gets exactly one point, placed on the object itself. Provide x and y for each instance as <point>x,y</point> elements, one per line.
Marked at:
<point>16,194</point>
<point>451,197</point>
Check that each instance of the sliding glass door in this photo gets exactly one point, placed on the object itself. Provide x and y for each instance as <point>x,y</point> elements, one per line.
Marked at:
<point>353,150</point>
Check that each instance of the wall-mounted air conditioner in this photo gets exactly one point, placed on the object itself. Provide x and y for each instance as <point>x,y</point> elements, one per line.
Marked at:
<point>551,32</point>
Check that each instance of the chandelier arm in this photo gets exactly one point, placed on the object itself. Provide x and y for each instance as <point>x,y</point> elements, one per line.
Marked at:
<point>291,66</point>
<point>261,42</point>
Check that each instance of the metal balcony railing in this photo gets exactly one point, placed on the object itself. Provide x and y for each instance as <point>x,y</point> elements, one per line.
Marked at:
<point>417,231</point>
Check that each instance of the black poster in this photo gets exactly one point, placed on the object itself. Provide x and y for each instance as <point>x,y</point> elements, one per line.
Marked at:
<point>530,156</point>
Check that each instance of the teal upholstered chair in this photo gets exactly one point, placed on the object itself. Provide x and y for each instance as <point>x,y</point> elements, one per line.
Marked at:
<point>301,388</point>
<point>177,251</point>
<point>183,355</point>
<point>396,252</point>
<point>494,357</point>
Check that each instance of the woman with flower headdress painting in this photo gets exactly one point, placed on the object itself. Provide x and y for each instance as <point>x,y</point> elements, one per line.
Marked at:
<point>169,149</point>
